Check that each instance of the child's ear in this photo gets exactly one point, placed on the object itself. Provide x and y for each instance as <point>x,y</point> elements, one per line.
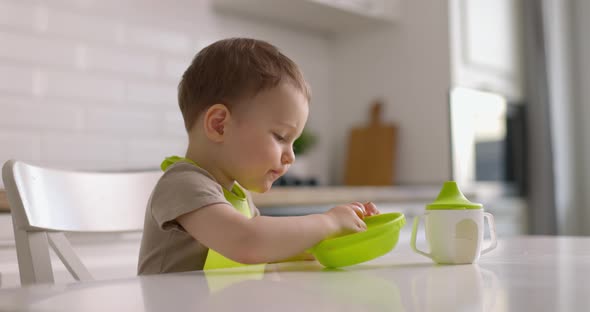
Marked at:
<point>215,120</point>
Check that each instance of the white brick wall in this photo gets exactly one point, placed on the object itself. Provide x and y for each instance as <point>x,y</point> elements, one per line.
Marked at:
<point>27,48</point>
<point>17,15</point>
<point>82,86</point>
<point>94,28</point>
<point>21,144</point>
<point>49,115</point>
<point>16,79</point>
<point>92,84</point>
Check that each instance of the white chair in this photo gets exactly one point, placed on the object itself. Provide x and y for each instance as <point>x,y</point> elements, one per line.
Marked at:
<point>46,202</point>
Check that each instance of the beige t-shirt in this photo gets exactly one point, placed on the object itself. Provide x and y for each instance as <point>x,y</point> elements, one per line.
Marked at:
<point>165,245</point>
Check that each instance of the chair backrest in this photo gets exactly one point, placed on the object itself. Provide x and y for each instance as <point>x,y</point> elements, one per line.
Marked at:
<point>45,202</point>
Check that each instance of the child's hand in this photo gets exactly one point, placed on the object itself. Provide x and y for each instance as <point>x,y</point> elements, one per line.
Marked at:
<point>365,210</point>
<point>347,218</point>
<point>370,209</point>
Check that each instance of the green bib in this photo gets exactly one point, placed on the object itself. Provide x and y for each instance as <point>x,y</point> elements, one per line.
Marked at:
<point>237,198</point>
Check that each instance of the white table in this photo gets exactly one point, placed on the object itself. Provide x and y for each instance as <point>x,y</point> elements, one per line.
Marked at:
<point>522,274</point>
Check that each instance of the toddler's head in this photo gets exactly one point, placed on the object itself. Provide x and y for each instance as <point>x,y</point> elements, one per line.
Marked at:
<point>247,102</point>
<point>231,70</point>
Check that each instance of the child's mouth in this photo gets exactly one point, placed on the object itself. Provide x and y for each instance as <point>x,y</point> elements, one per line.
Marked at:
<point>276,174</point>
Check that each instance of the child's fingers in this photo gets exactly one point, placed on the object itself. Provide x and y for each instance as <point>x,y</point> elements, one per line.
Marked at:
<point>371,209</point>
<point>359,209</point>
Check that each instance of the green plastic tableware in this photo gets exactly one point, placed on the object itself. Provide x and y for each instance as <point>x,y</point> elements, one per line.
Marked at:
<point>380,238</point>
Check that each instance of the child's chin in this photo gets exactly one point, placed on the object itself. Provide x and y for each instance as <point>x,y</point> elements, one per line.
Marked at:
<point>264,189</point>
<point>260,188</point>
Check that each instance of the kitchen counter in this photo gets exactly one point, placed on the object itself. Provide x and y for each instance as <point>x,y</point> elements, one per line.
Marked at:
<point>524,273</point>
<point>327,195</point>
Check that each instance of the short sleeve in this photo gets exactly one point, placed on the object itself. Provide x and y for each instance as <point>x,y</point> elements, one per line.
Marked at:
<point>182,189</point>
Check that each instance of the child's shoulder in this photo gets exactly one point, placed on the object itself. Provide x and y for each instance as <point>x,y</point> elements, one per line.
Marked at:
<point>187,174</point>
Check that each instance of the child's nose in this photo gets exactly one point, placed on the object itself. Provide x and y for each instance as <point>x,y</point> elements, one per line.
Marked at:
<point>288,157</point>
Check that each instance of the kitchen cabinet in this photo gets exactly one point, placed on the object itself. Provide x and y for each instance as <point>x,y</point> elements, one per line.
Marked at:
<point>324,16</point>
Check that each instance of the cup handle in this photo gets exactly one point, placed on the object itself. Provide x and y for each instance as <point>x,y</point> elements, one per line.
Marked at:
<point>492,226</point>
<point>413,240</point>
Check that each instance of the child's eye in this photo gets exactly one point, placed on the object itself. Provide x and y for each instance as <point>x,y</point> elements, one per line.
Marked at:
<point>279,138</point>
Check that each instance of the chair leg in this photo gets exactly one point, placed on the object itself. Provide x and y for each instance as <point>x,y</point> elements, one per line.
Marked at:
<point>65,252</point>
<point>34,262</point>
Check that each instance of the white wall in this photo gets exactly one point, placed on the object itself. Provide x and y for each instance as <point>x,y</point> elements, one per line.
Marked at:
<point>92,84</point>
<point>407,65</point>
<point>568,48</point>
<point>558,31</point>
<point>581,74</point>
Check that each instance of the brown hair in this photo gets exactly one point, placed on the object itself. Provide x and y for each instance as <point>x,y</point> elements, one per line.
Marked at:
<point>232,69</point>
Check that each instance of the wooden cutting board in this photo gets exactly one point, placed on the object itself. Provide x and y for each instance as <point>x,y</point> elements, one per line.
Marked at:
<point>371,152</point>
<point>3,201</point>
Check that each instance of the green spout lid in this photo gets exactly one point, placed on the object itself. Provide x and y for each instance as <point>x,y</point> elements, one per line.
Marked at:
<point>451,198</point>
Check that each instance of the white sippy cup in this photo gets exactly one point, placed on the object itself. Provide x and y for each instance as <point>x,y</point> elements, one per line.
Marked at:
<point>454,228</point>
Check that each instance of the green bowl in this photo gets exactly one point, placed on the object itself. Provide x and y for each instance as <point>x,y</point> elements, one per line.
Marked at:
<point>380,238</point>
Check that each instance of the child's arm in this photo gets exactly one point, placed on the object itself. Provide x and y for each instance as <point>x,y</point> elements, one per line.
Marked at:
<point>304,256</point>
<point>370,209</point>
<point>268,239</point>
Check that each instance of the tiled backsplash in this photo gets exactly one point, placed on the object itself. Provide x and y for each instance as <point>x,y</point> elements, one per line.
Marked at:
<point>85,85</point>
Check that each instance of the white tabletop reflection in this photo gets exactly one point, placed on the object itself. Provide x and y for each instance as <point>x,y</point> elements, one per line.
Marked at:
<point>522,274</point>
